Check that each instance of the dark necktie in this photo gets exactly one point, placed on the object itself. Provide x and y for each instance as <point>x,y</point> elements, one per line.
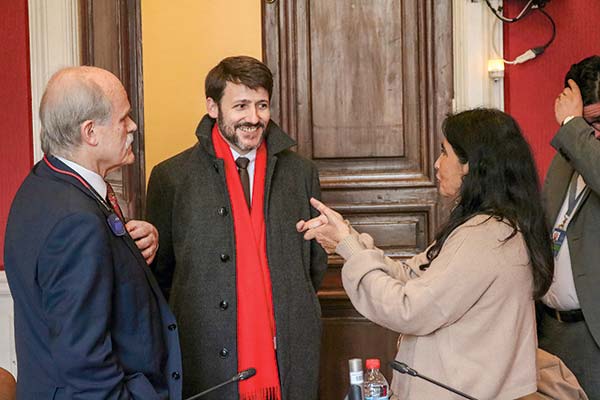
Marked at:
<point>242,163</point>
<point>112,200</point>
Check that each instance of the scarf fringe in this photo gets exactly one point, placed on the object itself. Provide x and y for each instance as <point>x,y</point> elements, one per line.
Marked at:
<point>262,394</point>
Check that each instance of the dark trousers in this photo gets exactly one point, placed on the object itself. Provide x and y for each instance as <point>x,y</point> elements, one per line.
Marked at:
<point>573,343</point>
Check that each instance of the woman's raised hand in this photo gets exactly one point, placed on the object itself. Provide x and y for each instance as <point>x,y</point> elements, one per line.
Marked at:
<point>328,229</point>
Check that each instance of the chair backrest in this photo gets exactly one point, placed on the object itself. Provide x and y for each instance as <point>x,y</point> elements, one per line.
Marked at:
<point>8,385</point>
<point>554,380</point>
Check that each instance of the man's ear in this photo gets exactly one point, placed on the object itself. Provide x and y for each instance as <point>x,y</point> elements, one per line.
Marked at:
<point>88,135</point>
<point>212,107</point>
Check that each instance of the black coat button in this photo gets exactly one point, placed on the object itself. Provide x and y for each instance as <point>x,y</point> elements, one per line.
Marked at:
<point>224,353</point>
<point>222,211</point>
<point>172,327</point>
<point>224,305</point>
<point>175,375</point>
<point>224,257</point>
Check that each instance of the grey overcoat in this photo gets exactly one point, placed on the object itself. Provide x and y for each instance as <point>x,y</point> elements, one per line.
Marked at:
<point>189,204</point>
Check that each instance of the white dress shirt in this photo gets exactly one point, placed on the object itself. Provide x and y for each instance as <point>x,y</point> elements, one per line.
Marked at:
<point>562,295</point>
<point>94,180</point>
<point>252,157</point>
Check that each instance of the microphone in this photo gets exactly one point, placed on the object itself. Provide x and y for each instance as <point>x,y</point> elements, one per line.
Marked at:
<point>243,375</point>
<point>405,369</point>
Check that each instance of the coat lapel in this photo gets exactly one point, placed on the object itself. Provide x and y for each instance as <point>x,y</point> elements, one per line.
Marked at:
<point>45,170</point>
<point>277,141</point>
<point>555,187</point>
<point>271,162</point>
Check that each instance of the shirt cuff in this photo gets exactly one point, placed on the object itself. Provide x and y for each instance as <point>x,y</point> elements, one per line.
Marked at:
<point>567,119</point>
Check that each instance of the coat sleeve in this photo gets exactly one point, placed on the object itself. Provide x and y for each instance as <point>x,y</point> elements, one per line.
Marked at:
<point>456,279</point>
<point>159,205</point>
<point>400,270</point>
<point>576,142</point>
<point>318,257</point>
<point>75,274</point>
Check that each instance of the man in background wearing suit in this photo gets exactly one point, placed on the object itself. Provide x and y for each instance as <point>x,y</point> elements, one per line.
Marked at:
<point>241,280</point>
<point>570,321</point>
<point>90,321</point>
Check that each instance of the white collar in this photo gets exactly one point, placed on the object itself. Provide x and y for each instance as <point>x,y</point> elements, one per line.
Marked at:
<point>251,155</point>
<point>91,177</point>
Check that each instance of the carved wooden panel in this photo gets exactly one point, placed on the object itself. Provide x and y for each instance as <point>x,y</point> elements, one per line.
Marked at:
<point>111,39</point>
<point>363,86</point>
<point>355,113</point>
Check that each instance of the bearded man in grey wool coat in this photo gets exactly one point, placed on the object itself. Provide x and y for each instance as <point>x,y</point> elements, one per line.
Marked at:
<point>230,318</point>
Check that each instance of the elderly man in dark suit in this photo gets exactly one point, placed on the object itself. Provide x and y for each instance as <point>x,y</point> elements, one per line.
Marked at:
<point>570,323</point>
<point>90,320</point>
<point>241,280</point>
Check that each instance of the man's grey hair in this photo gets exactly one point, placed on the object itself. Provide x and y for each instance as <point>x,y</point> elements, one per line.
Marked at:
<point>72,97</point>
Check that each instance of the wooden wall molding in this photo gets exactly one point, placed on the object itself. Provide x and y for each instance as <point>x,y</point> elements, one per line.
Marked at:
<point>477,38</point>
<point>111,39</point>
<point>53,44</point>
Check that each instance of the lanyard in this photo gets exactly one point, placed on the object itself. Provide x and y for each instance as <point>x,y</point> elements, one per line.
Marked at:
<point>574,200</point>
<point>115,224</point>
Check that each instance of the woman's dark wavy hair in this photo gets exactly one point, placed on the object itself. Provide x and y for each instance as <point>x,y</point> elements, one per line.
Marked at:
<point>502,182</point>
<point>586,74</point>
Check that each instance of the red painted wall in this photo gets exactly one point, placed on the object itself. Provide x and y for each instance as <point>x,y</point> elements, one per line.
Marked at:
<point>15,106</point>
<point>530,88</point>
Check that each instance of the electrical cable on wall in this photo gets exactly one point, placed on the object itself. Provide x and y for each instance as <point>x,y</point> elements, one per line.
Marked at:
<point>532,5</point>
<point>498,12</point>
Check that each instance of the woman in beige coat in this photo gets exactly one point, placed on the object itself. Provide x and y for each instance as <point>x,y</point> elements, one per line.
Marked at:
<point>465,306</point>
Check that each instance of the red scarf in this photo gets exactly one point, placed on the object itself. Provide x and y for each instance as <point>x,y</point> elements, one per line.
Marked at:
<point>255,320</point>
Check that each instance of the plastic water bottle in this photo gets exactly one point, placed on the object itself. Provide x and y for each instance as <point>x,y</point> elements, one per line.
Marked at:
<point>375,385</point>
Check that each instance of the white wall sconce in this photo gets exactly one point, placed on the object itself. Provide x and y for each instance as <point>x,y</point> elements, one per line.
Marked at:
<point>496,69</point>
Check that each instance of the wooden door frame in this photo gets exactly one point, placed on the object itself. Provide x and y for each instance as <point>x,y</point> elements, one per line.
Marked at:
<point>129,59</point>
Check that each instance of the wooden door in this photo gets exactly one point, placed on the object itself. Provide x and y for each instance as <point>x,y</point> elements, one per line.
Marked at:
<point>363,86</point>
<point>111,39</point>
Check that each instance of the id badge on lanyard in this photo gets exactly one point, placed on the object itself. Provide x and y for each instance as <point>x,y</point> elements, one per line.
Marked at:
<point>559,233</point>
<point>558,237</point>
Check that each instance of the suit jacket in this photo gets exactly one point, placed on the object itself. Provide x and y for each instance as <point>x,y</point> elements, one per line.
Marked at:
<point>579,150</point>
<point>189,203</point>
<point>90,320</point>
